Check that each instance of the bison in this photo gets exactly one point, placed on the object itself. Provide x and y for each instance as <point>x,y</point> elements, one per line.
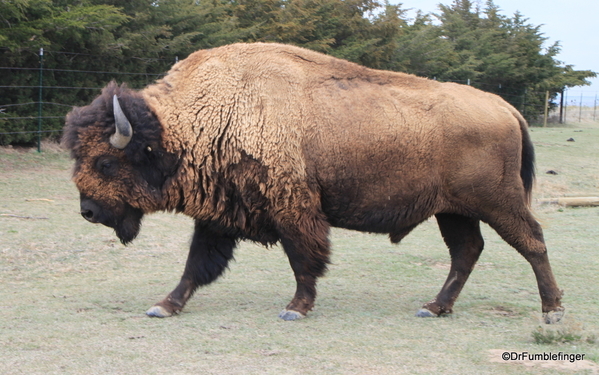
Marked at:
<point>275,144</point>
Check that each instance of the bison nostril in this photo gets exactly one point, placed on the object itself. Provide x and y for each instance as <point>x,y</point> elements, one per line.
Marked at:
<point>87,215</point>
<point>90,210</point>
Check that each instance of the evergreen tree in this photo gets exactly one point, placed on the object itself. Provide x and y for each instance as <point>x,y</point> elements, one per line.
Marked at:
<point>55,26</point>
<point>495,53</point>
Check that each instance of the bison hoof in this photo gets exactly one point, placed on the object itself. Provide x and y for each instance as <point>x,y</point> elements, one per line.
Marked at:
<point>291,315</point>
<point>158,312</point>
<point>425,313</point>
<point>553,317</point>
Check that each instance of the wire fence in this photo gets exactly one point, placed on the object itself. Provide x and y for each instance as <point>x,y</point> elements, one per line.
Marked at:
<point>34,98</point>
<point>29,117</point>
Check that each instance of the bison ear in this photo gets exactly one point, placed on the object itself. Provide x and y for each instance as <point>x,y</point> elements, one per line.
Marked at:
<point>121,137</point>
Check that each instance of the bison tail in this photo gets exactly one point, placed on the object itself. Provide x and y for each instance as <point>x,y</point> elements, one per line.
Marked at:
<point>527,169</point>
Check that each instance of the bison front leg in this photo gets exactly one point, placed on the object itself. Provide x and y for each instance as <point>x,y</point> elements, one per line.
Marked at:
<point>462,236</point>
<point>306,244</point>
<point>209,255</point>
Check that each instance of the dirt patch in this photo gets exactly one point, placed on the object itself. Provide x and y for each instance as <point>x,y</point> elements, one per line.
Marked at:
<point>522,358</point>
<point>447,266</point>
<point>547,188</point>
<point>478,266</point>
<point>503,311</point>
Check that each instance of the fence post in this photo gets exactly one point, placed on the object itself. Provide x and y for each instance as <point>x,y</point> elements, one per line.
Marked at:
<point>561,107</point>
<point>595,109</point>
<point>566,107</point>
<point>580,109</point>
<point>39,118</point>
<point>546,108</point>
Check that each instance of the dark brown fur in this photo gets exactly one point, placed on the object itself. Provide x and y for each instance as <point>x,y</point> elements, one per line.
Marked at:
<point>274,143</point>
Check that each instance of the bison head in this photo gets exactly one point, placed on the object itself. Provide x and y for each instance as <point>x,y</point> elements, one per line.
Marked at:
<point>121,167</point>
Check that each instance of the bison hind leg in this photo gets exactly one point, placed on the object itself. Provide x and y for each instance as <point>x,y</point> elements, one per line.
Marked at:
<point>305,241</point>
<point>464,240</point>
<point>518,227</point>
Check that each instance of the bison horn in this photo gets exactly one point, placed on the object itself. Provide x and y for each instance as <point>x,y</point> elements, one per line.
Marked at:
<point>121,137</point>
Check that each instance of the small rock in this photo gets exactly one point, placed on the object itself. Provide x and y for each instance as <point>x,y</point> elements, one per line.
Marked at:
<point>571,140</point>
<point>552,172</point>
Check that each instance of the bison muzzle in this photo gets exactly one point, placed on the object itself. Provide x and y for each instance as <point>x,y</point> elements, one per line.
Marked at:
<point>276,144</point>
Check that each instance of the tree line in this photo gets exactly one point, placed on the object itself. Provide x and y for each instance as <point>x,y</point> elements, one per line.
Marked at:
<point>462,42</point>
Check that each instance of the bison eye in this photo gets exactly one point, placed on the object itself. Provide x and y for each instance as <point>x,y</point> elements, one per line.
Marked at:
<point>107,165</point>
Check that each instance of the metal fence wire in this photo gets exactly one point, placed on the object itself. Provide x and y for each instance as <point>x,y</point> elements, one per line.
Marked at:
<point>35,100</point>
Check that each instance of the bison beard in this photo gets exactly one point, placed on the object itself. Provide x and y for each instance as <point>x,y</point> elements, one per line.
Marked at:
<point>275,143</point>
<point>127,226</point>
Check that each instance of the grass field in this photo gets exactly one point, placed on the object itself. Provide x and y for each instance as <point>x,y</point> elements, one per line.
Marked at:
<point>72,298</point>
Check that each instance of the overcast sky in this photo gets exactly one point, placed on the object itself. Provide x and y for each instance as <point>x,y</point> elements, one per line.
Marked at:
<point>573,23</point>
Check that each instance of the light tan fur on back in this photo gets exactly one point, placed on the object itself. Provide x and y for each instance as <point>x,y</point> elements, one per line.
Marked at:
<point>294,109</point>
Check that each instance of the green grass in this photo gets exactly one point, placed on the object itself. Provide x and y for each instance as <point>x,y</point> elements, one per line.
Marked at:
<point>72,298</point>
<point>575,162</point>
